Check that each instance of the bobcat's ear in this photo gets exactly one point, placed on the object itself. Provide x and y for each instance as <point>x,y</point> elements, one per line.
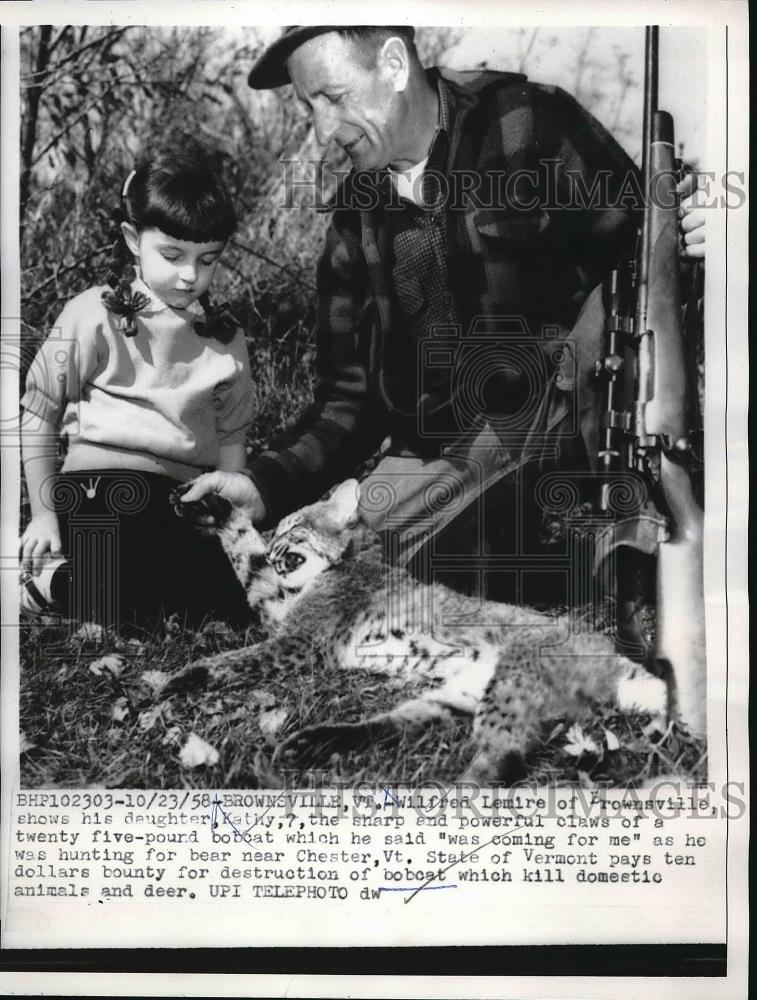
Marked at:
<point>343,503</point>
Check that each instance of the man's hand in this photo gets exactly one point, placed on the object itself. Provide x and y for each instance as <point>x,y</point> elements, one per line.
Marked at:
<point>692,218</point>
<point>40,540</point>
<point>237,488</point>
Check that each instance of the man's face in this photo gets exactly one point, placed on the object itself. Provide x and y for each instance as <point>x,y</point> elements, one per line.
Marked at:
<point>357,107</point>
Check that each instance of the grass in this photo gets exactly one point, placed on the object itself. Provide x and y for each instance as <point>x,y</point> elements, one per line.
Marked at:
<point>92,714</point>
<point>109,726</point>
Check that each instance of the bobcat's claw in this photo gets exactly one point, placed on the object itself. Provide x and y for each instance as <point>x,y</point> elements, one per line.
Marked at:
<point>316,742</point>
<point>210,511</point>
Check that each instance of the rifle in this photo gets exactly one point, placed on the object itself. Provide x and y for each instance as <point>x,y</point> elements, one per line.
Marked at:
<point>646,427</point>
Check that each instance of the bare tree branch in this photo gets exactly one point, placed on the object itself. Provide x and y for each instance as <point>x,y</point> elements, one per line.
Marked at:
<point>32,116</point>
<point>111,36</point>
<point>65,270</point>
<point>272,262</point>
<point>69,125</point>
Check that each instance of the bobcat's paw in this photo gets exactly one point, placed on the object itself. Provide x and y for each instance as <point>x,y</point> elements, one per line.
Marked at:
<point>489,768</point>
<point>210,512</point>
<point>186,680</point>
<point>316,743</point>
<point>641,691</point>
<point>201,674</point>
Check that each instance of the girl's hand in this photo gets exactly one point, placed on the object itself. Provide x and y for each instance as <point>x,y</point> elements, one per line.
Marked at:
<point>42,536</point>
<point>238,489</point>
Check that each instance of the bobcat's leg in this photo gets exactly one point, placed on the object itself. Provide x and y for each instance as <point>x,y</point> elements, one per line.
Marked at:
<point>507,722</point>
<point>494,765</point>
<point>242,543</point>
<point>313,742</point>
<point>460,695</point>
<point>505,725</point>
<point>228,667</point>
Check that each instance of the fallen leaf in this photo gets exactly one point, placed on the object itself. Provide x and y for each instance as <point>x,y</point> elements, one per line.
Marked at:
<point>558,728</point>
<point>243,712</point>
<point>578,743</point>
<point>271,721</point>
<point>107,664</point>
<point>120,710</point>
<point>611,740</point>
<point>171,624</point>
<point>264,698</point>
<point>26,744</point>
<point>197,753</point>
<point>219,629</point>
<point>172,737</point>
<point>89,632</point>
<point>155,679</point>
<point>149,717</point>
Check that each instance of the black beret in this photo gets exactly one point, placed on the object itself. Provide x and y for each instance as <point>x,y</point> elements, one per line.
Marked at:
<point>270,69</point>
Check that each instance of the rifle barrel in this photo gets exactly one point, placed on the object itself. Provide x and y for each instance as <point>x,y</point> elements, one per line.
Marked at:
<point>651,38</point>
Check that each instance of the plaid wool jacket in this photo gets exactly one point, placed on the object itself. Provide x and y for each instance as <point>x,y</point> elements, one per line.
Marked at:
<point>536,200</point>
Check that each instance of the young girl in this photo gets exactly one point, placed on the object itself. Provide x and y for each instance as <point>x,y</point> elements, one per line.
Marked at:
<point>150,386</point>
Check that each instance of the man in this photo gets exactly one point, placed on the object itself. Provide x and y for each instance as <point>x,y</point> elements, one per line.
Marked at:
<point>481,212</point>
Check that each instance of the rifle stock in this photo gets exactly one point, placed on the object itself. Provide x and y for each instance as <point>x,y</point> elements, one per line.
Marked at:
<point>646,419</point>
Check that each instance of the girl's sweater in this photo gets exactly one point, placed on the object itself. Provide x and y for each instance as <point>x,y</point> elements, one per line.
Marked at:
<point>163,401</point>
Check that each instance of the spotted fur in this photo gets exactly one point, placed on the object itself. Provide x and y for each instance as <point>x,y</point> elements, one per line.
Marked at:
<point>509,667</point>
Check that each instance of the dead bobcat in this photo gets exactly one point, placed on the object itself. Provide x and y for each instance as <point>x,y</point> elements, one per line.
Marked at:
<point>511,668</point>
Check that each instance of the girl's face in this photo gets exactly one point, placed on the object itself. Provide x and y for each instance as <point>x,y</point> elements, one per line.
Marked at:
<point>177,271</point>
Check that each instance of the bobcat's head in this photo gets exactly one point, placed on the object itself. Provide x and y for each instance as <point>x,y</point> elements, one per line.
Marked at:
<point>314,538</point>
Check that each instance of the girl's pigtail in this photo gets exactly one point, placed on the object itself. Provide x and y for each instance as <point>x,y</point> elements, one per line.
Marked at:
<point>218,324</point>
<point>120,300</point>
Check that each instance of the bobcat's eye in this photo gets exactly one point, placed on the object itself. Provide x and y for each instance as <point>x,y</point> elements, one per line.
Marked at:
<point>292,560</point>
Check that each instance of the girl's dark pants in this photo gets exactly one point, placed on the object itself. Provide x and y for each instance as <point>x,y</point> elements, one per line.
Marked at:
<point>132,559</point>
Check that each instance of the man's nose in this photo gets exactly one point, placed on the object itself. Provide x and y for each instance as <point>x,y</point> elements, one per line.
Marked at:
<point>325,125</point>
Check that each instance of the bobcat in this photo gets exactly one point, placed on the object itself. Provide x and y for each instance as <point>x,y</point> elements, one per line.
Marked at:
<point>321,590</point>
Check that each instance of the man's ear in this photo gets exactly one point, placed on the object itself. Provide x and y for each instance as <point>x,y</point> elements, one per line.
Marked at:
<point>394,61</point>
<point>131,237</point>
